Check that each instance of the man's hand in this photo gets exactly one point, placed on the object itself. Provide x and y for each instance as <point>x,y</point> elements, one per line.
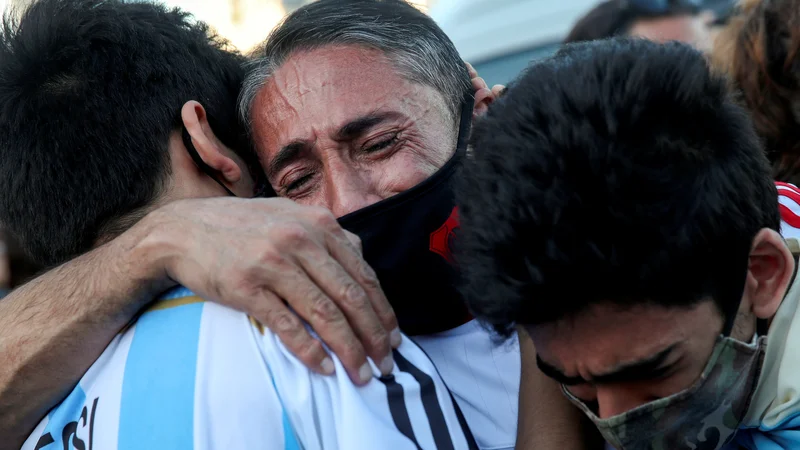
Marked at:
<point>263,256</point>
<point>249,254</point>
<point>483,95</point>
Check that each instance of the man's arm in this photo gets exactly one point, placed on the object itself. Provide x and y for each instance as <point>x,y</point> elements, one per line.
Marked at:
<point>251,255</point>
<point>547,420</point>
<point>53,328</point>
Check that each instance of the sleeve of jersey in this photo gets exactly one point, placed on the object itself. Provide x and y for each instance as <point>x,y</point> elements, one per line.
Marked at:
<point>789,205</point>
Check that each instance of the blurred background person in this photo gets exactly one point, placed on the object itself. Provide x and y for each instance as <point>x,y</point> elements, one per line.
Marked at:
<point>758,50</point>
<point>658,20</point>
<point>16,267</point>
<point>501,38</point>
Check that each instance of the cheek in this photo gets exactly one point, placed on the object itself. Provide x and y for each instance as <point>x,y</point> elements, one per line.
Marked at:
<point>407,168</point>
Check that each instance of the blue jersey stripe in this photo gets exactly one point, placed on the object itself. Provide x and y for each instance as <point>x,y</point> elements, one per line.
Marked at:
<point>157,404</point>
<point>290,441</point>
<point>289,438</point>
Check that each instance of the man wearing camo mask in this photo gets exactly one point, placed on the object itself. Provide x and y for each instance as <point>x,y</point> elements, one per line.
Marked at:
<point>619,208</point>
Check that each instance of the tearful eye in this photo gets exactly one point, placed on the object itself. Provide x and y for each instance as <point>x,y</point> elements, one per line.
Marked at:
<point>297,183</point>
<point>386,143</point>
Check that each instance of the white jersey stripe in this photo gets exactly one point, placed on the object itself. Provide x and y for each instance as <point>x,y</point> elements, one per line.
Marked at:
<point>236,405</point>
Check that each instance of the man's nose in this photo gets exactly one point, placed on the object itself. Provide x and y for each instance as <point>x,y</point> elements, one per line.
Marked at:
<point>351,189</point>
<point>615,400</point>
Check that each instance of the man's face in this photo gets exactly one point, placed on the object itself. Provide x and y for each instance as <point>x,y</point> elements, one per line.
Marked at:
<point>338,127</point>
<point>691,29</point>
<point>622,358</point>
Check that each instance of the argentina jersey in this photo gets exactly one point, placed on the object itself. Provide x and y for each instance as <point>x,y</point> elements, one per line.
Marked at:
<point>189,374</point>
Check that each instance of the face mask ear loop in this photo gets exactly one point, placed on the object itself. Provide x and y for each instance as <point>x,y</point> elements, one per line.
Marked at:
<point>736,293</point>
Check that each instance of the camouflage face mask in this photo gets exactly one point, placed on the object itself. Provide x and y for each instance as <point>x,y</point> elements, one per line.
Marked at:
<point>703,417</point>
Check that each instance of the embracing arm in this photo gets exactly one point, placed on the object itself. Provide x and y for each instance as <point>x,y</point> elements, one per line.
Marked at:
<point>546,418</point>
<point>252,255</point>
<point>53,328</point>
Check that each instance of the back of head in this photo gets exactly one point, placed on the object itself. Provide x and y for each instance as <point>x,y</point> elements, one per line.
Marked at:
<point>615,17</point>
<point>90,92</point>
<point>412,41</point>
<point>760,50</point>
<point>21,266</point>
<point>592,182</point>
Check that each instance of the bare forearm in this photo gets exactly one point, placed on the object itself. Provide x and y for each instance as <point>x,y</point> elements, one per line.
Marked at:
<point>55,327</point>
<point>546,418</point>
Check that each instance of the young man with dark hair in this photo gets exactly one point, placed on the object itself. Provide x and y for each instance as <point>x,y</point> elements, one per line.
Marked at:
<point>385,161</point>
<point>116,107</point>
<point>108,173</point>
<point>658,20</point>
<point>620,209</point>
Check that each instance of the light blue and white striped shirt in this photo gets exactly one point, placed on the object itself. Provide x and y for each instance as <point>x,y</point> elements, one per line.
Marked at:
<point>188,374</point>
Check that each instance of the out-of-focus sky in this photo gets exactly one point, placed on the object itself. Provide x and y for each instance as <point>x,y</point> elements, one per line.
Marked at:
<point>244,22</point>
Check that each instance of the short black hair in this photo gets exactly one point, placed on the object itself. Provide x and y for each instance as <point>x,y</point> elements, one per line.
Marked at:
<point>616,171</point>
<point>616,18</point>
<point>90,92</point>
<point>419,49</point>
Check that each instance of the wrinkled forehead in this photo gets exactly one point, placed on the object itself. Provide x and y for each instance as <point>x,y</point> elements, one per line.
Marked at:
<point>316,92</point>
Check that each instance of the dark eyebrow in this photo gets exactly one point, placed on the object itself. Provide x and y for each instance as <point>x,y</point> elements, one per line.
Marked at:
<point>640,370</point>
<point>557,375</point>
<point>355,128</point>
<point>285,156</point>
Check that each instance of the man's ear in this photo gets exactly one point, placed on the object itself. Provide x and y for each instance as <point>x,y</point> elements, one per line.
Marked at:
<point>210,149</point>
<point>769,273</point>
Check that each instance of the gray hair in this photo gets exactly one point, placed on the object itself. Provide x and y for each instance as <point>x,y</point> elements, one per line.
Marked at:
<point>420,51</point>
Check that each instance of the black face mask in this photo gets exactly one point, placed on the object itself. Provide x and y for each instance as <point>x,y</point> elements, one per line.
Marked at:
<point>407,240</point>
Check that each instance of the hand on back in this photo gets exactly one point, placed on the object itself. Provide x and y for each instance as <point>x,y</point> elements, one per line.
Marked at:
<point>281,262</point>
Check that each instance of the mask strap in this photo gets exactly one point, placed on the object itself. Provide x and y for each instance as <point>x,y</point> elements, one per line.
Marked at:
<point>762,325</point>
<point>187,142</point>
<point>736,292</point>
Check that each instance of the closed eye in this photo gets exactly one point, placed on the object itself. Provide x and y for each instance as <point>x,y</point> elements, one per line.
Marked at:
<point>297,184</point>
<point>386,143</point>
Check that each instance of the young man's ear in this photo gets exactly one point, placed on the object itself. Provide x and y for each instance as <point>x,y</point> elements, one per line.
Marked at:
<point>210,149</point>
<point>769,273</point>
